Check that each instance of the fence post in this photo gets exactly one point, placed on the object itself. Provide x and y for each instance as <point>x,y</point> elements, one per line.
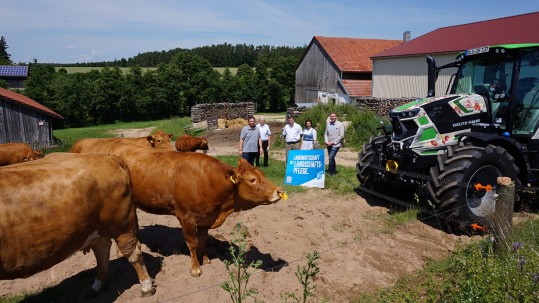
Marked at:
<point>502,218</point>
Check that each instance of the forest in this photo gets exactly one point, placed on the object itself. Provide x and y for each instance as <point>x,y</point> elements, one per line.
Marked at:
<point>182,78</point>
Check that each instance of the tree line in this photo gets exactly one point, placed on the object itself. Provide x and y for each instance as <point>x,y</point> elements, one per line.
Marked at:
<point>220,55</point>
<point>108,95</point>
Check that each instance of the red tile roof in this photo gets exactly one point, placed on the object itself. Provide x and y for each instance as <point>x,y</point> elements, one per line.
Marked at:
<point>507,30</point>
<point>357,88</point>
<point>25,101</point>
<point>353,54</point>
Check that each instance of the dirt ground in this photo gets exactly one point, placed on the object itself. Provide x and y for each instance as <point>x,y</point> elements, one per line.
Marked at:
<point>358,253</point>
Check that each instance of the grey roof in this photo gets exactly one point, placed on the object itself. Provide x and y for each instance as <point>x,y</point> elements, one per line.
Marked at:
<point>13,71</point>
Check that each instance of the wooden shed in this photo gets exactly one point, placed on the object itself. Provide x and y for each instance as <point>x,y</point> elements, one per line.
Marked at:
<point>335,70</point>
<point>24,120</point>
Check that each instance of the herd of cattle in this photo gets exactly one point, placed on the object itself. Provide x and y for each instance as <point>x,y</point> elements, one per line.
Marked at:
<point>59,204</point>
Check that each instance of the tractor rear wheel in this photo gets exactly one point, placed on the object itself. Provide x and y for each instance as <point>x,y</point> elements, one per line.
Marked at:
<point>458,187</point>
<point>368,163</point>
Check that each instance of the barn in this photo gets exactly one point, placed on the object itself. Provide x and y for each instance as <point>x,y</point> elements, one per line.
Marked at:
<point>336,70</point>
<point>24,120</point>
<point>402,71</point>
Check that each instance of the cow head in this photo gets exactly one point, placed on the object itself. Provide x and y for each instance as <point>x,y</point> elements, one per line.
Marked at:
<point>252,187</point>
<point>203,144</point>
<point>160,140</point>
<point>37,154</point>
<point>34,155</point>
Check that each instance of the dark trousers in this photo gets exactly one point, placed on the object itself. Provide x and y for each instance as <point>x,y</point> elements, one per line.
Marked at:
<point>250,157</point>
<point>332,152</point>
<point>265,149</point>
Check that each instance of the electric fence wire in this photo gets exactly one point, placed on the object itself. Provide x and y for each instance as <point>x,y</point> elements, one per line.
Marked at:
<point>433,213</point>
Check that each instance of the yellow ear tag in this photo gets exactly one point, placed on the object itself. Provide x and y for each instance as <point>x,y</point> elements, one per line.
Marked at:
<point>232,180</point>
<point>283,195</point>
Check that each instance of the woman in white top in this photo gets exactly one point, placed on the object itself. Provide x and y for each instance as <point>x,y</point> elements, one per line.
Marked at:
<point>309,136</point>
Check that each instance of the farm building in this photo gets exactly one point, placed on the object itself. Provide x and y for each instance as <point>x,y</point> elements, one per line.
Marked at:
<point>402,71</point>
<point>337,69</point>
<point>24,120</point>
<point>14,75</point>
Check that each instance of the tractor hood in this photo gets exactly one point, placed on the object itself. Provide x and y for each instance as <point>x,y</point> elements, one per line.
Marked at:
<point>431,123</point>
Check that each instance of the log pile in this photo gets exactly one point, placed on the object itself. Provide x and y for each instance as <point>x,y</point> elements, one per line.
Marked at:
<point>380,106</point>
<point>227,111</point>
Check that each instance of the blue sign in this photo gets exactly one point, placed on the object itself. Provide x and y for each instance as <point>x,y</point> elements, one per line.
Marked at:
<point>305,168</point>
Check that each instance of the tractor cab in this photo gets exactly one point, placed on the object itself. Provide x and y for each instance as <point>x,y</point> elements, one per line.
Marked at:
<point>507,76</point>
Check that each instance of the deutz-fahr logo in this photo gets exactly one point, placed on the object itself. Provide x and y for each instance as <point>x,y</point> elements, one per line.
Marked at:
<point>464,123</point>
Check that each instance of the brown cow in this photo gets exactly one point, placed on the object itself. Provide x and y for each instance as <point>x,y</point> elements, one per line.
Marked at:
<point>199,190</point>
<point>53,207</point>
<point>159,140</point>
<point>11,153</point>
<point>187,143</point>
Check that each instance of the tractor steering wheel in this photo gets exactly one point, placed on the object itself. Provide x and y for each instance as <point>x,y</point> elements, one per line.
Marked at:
<point>497,90</point>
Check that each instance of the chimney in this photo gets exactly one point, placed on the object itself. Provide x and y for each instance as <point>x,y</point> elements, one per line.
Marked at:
<point>406,36</point>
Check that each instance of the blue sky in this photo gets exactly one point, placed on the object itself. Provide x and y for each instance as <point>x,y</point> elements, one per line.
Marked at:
<point>68,31</point>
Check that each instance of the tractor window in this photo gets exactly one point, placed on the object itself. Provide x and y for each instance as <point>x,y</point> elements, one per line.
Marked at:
<point>478,76</point>
<point>527,93</point>
<point>475,76</point>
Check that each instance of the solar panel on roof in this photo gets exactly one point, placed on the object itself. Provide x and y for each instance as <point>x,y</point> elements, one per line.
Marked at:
<point>13,71</point>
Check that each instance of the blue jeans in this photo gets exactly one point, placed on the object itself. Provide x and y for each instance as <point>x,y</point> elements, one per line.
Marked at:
<point>250,157</point>
<point>332,152</point>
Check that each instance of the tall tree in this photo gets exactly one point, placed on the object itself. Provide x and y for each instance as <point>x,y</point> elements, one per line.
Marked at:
<point>5,58</point>
<point>39,84</point>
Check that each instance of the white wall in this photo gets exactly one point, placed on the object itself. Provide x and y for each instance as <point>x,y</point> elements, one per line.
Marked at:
<point>407,76</point>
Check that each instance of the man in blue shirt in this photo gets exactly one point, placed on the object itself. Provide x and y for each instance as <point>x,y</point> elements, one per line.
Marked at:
<point>333,137</point>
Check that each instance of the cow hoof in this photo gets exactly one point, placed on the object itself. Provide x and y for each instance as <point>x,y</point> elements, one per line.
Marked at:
<point>196,272</point>
<point>206,260</point>
<point>148,293</point>
<point>148,288</point>
<point>97,288</point>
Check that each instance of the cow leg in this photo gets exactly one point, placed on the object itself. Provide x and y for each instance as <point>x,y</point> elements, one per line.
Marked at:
<point>101,249</point>
<point>202,235</point>
<point>190,235</point>
<point>130,248</point>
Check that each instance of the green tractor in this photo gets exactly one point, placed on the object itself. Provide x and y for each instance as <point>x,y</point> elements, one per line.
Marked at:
<point>450,150</point>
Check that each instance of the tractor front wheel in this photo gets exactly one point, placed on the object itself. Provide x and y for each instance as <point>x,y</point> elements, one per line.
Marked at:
<point>463,183</point>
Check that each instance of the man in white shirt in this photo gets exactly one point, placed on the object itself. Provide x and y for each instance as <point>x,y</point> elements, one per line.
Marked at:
<point>265,136</point>
<point>292,133</point>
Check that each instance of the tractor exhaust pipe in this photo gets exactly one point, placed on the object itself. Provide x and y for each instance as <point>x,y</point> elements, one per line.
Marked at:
<point>432,75</point>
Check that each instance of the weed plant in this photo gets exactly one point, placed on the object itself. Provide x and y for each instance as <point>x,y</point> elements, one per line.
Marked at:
<point>305,275</point>
<point>239,270</point>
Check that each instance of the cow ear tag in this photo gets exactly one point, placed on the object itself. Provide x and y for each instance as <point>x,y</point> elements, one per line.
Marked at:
<point>232,180</point>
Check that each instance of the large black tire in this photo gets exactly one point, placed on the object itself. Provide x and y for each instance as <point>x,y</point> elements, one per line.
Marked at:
<point>366,171</point>
<point>455,174</point>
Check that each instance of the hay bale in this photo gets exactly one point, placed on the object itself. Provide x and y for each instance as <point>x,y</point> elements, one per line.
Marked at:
<point>233,123</point>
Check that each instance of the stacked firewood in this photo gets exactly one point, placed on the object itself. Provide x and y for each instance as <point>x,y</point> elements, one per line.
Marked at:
<point>228,111</point>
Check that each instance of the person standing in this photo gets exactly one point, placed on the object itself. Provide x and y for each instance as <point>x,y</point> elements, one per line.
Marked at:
<point>309,136</point>
<point>250,143</point>
<point>265,136</point>
<point>292,133</point>
<point>333,137</point>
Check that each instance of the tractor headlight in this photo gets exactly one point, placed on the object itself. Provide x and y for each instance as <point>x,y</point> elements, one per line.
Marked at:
<point>409,113</point>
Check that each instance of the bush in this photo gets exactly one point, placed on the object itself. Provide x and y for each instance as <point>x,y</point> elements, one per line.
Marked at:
<point>363,124</point>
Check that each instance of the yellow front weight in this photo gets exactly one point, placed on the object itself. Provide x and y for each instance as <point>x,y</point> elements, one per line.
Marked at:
<point>391,166</point>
